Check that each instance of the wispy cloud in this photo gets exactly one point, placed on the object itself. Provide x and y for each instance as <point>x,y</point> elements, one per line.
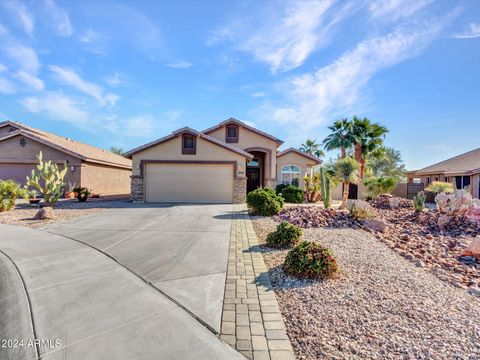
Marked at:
<point>59,19</point>
<point>471,31</point>
<point>3,68</point>
<point>69,77</point>
<point>141,126</point>
<point>115,80</point>
<point>57,106</point>
<point>31,81</point>
<point>180,65</point>
<point>6,86</point>
<point>391,10</point>
<point>285,39</point>
<point>25,57</point>
<point>21,14</point>
<point>338,88</point>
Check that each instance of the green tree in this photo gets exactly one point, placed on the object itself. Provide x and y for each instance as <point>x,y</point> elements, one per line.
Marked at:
<point>117,150</point>
<point>313,148</point>
<point>389,164</point>
<point>346,170</point>
<point>368,140</point>
<point>341,137</point>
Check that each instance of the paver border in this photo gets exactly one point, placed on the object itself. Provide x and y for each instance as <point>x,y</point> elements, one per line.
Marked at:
<point>251,319</point>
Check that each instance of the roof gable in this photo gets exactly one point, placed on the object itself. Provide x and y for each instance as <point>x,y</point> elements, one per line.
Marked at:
<point>242,124</point>
<point>301,153</point>
<point>466,162</point>
<point>187,130</point>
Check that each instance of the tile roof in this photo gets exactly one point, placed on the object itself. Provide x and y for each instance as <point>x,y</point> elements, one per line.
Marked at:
<point>194,132</point>
<point>464,163</point>
<point>83,151</point>
<point>242,124</point>
<point>301,153</point>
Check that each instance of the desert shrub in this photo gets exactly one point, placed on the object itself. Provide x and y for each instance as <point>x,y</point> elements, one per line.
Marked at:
<point>380,185</point>
<point>310,260</point>
<point>48,180</point>
<point>312,187</point>
<point>361,209</point>
<point>292,194</point>
<point>82,193</point>
<point>264,201</point>
<point>440,187</point>
<point>279,188</point>
<point>419,201</point>
<point>10,191</point>
<point>285,235</point>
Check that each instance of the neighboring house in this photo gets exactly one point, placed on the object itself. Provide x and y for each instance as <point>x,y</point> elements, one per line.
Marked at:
<point>463,171</point>
<point>220,164</point>
<point>101,171</point>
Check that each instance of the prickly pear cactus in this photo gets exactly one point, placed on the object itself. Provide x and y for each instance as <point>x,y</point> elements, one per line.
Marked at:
<point>48,180</point>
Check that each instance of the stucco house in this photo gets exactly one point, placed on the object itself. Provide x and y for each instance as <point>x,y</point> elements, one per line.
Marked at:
<point>217,165</point>
<point>462,170</point>
<point>101,171</point>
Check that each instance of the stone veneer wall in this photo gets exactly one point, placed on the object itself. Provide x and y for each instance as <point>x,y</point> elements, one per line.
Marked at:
<point>137,189</point>
<point>239,190</point>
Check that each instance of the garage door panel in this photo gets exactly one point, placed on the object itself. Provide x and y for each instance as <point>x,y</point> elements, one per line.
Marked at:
<point>208,183</point>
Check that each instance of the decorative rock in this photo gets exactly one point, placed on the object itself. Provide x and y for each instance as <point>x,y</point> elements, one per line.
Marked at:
<point>429,237</point>
<point>44,213</point>
<point>473,249</point>
<point>375,225</point>
<point>474,290</point>
<point>443,221</point>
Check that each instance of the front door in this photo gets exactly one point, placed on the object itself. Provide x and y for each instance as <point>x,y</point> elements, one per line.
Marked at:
<point>253,178</point>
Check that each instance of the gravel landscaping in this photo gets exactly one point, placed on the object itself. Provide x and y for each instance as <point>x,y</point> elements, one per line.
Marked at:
<point>380,306</point>
<point>23,214</point>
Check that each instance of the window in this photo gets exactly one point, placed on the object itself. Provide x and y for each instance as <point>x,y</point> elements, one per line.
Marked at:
<point>231,135</point>
<point>428,179</point>
<point>189,144</point>
<point>291,175</point>
<point>462,182</point>
<point>436,178</point>
<point>254,162</point>
<point>446,179</point>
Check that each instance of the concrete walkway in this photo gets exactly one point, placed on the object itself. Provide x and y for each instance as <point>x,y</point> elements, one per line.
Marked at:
<point>84,304</point>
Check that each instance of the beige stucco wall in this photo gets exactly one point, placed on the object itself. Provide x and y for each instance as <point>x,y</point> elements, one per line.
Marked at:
<point>172,150</point>
<point>293,158</point>
<point>337,192</point>
<point>105,180</point>
<point>16,161</point>
<point>249,139</point>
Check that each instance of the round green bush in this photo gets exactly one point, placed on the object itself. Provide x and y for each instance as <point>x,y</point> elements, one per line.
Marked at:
<point>310,260</point>
<point>264,201</point>
<point>293,194</point>
<point>285,235</point>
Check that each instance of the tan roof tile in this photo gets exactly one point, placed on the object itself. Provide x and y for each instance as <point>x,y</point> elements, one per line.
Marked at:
<point>467,162</point>
<point>83,151</point>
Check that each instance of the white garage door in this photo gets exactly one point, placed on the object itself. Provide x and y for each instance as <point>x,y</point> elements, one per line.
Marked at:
<point>209,183</point>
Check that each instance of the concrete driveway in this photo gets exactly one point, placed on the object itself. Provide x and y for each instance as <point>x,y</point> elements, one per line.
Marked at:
<point>146,280</point>
<point>180,249</point>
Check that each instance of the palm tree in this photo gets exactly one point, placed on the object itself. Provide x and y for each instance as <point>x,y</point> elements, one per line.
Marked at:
<point>116,150</point>
<point>341,137</point>
<point>346,170</point>
<point>313,148</point>
<point>368,140</point>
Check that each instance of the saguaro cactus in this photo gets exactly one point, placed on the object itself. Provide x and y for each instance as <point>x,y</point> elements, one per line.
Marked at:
<point>325,187</point>
<point>48,181</point>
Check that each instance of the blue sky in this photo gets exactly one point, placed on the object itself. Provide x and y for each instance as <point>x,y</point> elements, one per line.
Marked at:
<point>124,73</point>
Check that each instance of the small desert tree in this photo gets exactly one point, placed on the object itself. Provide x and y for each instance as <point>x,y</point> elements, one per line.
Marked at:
<point>48,180</point>
<point>346,170</point>
<point>438,187</point>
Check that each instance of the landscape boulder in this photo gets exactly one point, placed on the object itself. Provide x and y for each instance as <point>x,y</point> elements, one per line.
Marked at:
<point>473,249</point>
<point>375,225</point>
<point>44,213</point>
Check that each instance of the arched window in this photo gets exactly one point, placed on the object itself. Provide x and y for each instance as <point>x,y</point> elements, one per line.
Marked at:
<point>291,175</point>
